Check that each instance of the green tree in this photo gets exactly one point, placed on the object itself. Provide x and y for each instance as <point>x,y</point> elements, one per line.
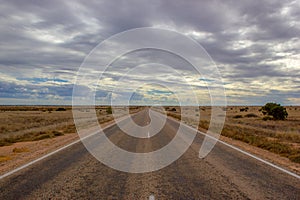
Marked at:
<point>275,110</point>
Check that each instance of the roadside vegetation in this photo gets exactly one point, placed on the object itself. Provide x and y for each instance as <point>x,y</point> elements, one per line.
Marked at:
<point>33,123</point>
<point>279,134</point>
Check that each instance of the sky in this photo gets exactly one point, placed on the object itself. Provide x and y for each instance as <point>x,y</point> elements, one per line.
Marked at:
<point>253,46</point>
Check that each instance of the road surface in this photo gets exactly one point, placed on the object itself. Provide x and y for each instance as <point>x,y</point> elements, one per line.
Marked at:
<point>225,173</point>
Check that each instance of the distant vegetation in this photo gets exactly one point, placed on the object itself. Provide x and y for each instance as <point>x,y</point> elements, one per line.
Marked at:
<point>278,136</point>
<point>275,110</point>
<point>109,110</point>
<point>251,115</point>
<point>32,136</point>
<point>244,109</point>
<point>237,116</point>
<point>61,109</point>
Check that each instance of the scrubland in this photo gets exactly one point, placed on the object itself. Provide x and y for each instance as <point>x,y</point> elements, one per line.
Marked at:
<point>32,123</point>
<point>249,126</point>
<point>28,132</point>
<point>25,130</point>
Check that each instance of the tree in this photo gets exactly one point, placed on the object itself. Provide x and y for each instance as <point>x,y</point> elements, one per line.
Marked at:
<point>275,110</point>
<point>279,113</point>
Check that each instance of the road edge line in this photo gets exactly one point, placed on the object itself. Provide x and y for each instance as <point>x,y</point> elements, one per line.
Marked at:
<point>61,148</point>
<point>110,125</point>
<point>239,150</point>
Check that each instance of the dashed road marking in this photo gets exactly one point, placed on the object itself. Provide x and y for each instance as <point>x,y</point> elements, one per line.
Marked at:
<point>151,197</point>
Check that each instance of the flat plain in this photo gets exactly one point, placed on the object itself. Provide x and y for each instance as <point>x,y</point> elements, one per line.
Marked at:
<point>27,132</point>
<point>245,126</point>
<point>73,173</point>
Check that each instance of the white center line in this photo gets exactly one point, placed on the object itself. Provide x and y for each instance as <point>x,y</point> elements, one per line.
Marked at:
<point>151,197</point>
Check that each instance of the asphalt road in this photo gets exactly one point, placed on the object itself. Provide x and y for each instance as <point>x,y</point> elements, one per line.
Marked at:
<point>225,173</point>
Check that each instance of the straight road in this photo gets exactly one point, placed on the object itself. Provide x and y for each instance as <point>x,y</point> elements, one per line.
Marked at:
<point>225,173</point>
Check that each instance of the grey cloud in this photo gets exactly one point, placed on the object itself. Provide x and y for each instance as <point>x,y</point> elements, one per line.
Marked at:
<point>81,25</point>
<point>13,90</point>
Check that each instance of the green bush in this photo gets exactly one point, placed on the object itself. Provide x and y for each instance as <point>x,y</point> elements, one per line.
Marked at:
<point>279,113</point>
<point>275,110</point>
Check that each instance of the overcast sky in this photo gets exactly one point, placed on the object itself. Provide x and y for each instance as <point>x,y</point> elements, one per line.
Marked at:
<point>254,44</point>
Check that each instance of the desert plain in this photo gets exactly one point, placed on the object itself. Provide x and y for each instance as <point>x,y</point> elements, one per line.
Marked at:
<point>28,132</point>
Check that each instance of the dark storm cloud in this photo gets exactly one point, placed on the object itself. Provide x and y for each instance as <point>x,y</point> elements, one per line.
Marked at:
<point>46,39</point>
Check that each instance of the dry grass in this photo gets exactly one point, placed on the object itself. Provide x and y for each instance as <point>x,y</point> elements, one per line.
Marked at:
<point>280,137</point>
<point>4,158</point>
<point>21,122</point>
<point>32,123</point>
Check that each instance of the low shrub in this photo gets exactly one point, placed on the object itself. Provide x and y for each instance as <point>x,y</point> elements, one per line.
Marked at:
<point>276,147</point>
<point>61,109</point>
<point>177,116</point>
<point>41,137</point>
<point>295,158</point>
<point>244,109</point>
<point>251,115</point>
<point>237,116</point>
<point>5,142</point>
<point>57,133</point>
